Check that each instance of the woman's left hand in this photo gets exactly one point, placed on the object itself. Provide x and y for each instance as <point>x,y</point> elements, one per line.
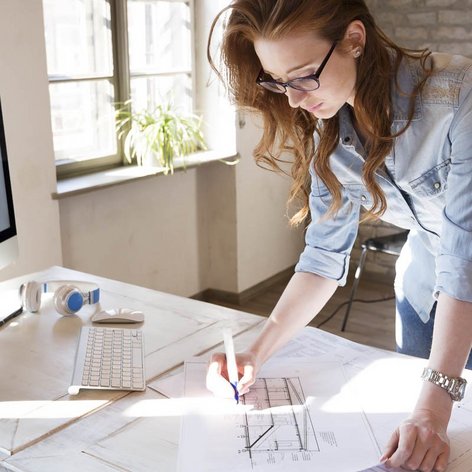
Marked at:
<point>419,443</point>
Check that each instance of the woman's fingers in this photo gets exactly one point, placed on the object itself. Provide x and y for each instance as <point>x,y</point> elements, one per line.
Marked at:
<point>248,378</point>
<point>432,462</point>
<point>391,446</point>
<point>405,447</point>
<point>420,443</point>
<point>217,376</point>
<point>215,382</point>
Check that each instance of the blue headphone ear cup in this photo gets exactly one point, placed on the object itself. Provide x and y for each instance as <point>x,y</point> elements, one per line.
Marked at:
<point>30,296</point>
<point>68,300</point>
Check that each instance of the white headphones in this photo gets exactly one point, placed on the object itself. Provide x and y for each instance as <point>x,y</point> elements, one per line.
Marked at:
<point>69,295</point>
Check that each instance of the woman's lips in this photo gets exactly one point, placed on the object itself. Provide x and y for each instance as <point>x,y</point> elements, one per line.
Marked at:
<point>313,108</point>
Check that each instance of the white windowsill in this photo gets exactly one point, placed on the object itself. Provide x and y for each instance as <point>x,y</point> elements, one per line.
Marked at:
<point>107,178</point>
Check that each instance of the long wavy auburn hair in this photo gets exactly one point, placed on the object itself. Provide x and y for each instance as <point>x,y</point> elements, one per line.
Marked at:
<point>293,130</point>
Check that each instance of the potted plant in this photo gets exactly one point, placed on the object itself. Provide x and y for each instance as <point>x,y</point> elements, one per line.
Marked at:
<point>158,136</point>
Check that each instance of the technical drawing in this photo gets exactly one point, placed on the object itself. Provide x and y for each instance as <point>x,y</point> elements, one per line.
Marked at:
<point>280,422</point>
<point>296,416</point>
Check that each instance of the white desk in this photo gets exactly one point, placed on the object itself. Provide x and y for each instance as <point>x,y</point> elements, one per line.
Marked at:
<point>37,354</point>
<point>42,428</point>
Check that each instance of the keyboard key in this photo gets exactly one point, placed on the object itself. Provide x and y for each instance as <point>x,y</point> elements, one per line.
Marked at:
<point>137,357</point>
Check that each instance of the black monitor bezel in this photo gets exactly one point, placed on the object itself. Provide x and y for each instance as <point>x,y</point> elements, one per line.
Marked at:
<point>11,231</point>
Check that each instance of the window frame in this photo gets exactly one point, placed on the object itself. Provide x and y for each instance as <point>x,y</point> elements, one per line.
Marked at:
<point>121,81</point>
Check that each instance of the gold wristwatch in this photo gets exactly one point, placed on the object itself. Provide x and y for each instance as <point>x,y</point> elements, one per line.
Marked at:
<point>455,386</point>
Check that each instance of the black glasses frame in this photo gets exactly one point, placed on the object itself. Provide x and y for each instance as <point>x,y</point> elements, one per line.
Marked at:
<point>292,83</point>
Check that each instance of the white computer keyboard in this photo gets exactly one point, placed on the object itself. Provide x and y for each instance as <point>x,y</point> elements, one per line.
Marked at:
<point>109,359</point>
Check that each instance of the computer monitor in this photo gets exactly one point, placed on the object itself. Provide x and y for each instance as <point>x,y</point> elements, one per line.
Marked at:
<point>8,235</point>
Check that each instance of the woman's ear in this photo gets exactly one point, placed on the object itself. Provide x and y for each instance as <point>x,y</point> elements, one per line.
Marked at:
<point>355,38</point>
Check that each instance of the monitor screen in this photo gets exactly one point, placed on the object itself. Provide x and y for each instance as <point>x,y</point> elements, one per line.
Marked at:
<point>8,241</point>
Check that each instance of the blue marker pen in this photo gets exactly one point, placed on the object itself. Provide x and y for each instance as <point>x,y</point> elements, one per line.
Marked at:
<point>231,362</point>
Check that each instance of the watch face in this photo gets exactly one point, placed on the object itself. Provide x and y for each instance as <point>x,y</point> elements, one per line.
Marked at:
<point>461,390</point>
<point>457,389</point>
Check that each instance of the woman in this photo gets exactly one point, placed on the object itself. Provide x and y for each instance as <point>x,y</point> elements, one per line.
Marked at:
<point>373,125</point>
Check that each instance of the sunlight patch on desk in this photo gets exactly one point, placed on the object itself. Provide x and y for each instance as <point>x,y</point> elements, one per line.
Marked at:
<point>48,409</point>
<point>396,393</point>
<point>186,406</point>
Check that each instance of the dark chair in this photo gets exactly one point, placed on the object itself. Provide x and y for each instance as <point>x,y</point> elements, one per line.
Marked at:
<point>391,244</point>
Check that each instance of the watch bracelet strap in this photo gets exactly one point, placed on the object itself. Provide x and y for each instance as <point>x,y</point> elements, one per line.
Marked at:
<point>454,386</point>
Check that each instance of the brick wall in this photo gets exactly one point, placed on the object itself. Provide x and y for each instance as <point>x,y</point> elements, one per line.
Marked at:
<point>440,25</point>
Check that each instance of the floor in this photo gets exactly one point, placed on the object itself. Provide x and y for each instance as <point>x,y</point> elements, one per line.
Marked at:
<point>369,323</point>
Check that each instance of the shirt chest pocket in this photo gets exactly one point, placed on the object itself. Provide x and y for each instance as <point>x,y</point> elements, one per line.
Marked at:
<point>433,182</point>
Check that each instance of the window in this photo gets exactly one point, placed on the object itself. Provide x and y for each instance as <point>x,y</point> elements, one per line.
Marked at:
<point>101,52</point>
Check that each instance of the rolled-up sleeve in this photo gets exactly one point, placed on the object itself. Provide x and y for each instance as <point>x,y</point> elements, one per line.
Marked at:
<point>328,240</point>
<point>454,261</point>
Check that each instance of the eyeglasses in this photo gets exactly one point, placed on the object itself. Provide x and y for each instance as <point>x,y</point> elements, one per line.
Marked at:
<point>305,84</point>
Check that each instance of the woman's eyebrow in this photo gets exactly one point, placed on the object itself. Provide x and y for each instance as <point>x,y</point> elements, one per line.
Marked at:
<point>292,69</point>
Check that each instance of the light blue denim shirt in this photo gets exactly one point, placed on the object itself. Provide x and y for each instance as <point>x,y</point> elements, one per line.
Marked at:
<point>428,187</point>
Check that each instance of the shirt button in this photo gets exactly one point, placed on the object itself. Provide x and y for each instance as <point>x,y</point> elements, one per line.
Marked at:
<point>347,139</point>
<point>363,198</point>
<point>437,185</point>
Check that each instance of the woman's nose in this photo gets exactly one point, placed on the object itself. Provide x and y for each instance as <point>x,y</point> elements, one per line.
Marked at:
<point>295,97</point>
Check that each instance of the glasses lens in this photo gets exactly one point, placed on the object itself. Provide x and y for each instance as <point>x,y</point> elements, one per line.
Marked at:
<point>305,84</point>
<point>272,86</point>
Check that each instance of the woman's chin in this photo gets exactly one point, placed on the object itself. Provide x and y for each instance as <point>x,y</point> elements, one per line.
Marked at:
<point>324,113</point>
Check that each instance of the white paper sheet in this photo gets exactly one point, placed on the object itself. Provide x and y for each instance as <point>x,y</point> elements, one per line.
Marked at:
<point>281,423</point>
<point>387,385</point>
<point>385,403</point>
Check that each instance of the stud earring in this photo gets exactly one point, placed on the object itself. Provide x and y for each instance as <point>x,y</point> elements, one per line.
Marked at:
<point>357,52</point>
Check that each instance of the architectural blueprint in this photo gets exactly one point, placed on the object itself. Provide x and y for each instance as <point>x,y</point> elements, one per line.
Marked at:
<point>289,417</point>
<point>269,435</point>
<point>370,384</point>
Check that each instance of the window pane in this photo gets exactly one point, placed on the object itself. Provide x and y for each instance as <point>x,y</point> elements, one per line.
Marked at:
<point>147,92</point>
<point>78,37</point>
<point>83,121</point>
<point>159,36</point>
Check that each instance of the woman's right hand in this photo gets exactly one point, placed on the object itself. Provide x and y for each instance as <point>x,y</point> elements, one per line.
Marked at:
<point>217,374</point>
<point>303,298</point>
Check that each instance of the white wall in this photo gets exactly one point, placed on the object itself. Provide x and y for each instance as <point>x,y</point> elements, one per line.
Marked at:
<point>218,219</point>
<point>144,232</point>
<point>249,239</point>
<point>25,103</point>
<point>215,227</point>
<point>266,242</point>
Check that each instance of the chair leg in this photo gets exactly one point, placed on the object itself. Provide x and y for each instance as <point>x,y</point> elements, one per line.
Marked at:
<point>357,277</point>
